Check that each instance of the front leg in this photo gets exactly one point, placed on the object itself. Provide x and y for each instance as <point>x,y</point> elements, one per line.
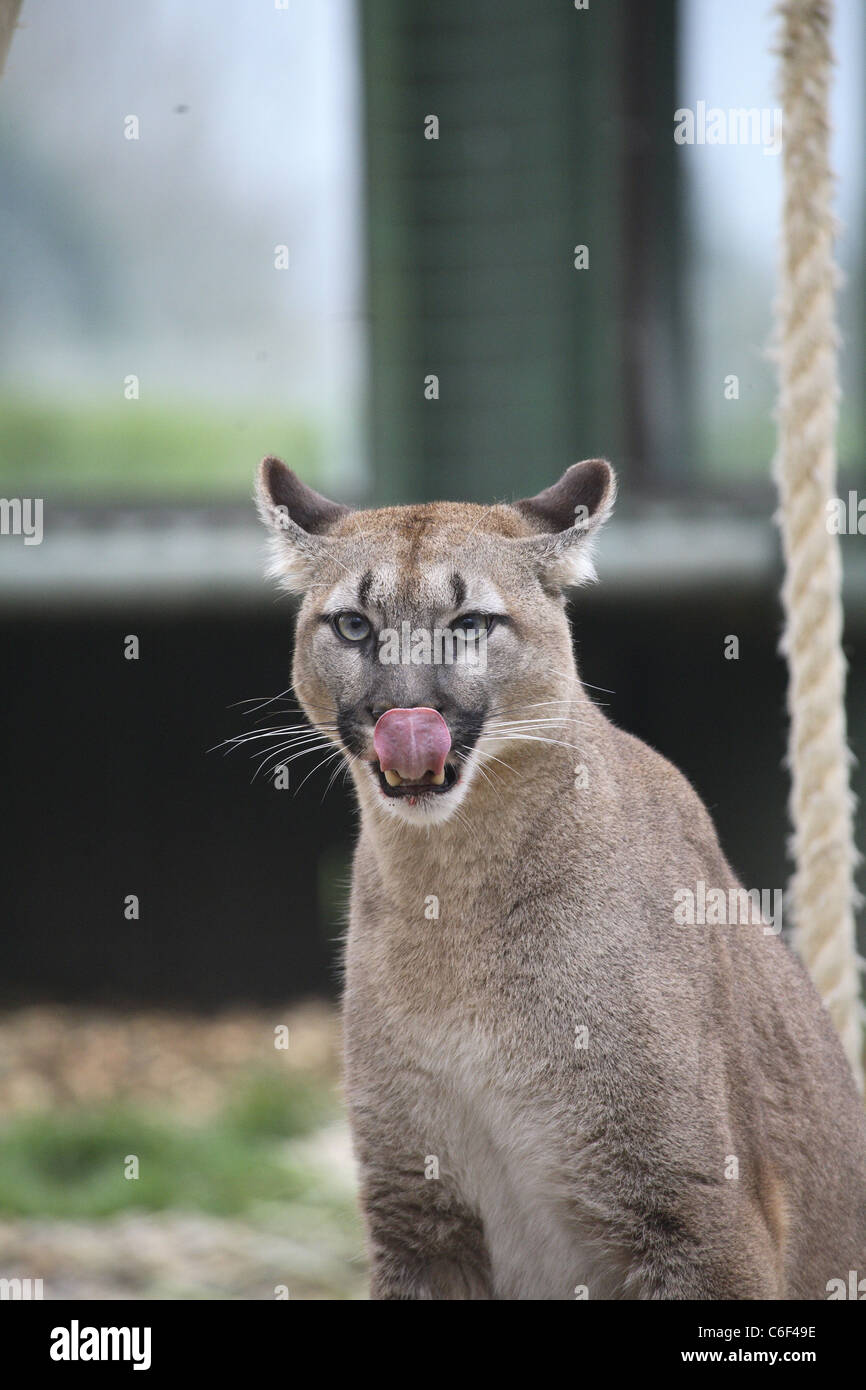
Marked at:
<point>424,1242</point>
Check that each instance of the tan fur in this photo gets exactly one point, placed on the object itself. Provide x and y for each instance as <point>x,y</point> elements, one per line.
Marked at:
<point>560,1167</point>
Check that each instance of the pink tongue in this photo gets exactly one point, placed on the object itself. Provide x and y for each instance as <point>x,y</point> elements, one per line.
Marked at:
<point>412,742</point>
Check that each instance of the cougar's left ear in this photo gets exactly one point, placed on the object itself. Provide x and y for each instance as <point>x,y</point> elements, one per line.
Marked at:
<point>299,520</point>
<point>566,517</point>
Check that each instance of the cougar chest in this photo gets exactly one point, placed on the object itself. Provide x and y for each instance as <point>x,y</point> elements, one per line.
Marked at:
<point>489,1119</point>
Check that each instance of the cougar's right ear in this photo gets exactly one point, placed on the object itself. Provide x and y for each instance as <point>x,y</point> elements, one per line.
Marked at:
<point>298,518</point>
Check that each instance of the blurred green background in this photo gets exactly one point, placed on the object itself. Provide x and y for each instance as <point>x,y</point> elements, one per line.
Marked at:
<point>304,126</point>
<point>242,1184</point>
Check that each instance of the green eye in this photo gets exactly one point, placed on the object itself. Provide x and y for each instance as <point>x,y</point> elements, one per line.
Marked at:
<point>472,622</point>
<point>353,626</point>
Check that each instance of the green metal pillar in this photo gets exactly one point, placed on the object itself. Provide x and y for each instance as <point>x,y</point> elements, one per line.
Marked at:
<point>472,238</point>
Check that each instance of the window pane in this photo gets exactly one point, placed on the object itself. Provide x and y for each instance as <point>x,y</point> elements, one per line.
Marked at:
<point>734,194</point>
<point>146,248</point>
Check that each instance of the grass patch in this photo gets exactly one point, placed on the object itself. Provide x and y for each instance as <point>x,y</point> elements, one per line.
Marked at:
<point>67,1165</point>
<point>144,450</point>
<point>269,1109</point>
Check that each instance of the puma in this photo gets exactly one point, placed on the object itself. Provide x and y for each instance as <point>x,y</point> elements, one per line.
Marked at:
<point>556,1087</point>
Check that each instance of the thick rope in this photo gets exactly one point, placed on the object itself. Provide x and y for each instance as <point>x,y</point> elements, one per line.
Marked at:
<point>8,19</point>
<point>823,893</point>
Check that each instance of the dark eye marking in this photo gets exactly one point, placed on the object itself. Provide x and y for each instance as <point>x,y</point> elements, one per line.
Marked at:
<point>364,588</point>
<point>458,588</point>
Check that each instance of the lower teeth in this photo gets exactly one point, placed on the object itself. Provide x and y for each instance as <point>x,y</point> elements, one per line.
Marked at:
<point>395,780</point>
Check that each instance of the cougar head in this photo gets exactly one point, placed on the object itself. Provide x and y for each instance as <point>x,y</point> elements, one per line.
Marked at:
<point>430,638</point>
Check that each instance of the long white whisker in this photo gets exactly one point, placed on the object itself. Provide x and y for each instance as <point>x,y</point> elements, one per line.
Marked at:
<point>524,724</point>
<point>276,756</point>
<point>483,753</point>
<point>300,731</point>
<point>259,701</point>
<point>483,773</point>
<point>538,704</point>
<point>534,738</point>
<point>338,753</point>
<point>335,774</point>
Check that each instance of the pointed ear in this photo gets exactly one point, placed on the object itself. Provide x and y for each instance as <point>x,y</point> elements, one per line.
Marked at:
<point>566,516</point>
<point>281,492</point>
<point>298,519</point>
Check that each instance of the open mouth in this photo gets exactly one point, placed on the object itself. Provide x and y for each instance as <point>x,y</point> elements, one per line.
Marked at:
<point>412,746</point>
<point>392,784</point>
